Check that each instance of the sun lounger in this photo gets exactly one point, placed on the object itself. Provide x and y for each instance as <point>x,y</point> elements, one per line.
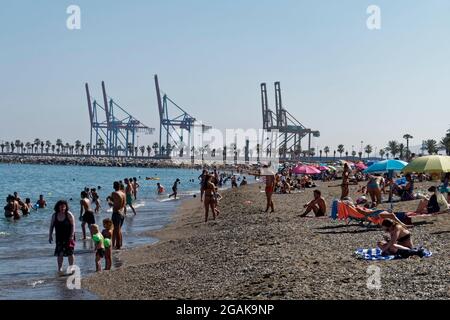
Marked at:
<point>347,212</point>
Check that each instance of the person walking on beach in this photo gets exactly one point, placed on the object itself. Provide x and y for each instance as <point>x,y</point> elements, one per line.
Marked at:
<point>317,205</point>
<point>118,216</point>
<point>210,197</point>
<point>63,222</point>
<point>345,182</point>
<point>270,188</point>
<point>175,189</point>
<point>86,213</point>
<point>99,242</point>
<point>202,179</point>
<point>129,191</point>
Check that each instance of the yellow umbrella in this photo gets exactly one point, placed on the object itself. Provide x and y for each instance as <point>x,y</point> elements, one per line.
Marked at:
<point>429,164</point>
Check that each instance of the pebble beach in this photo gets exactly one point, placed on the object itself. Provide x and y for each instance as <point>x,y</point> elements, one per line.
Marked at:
<point>248,254</point>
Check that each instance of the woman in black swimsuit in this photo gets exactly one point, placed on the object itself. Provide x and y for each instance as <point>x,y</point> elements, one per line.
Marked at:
<point>64,224</point>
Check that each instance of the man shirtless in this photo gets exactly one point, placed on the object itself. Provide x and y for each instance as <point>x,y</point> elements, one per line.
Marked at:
<point>118,201</point>
<point>129,192</point>
<point>317,205</point>
<point>270,188</point>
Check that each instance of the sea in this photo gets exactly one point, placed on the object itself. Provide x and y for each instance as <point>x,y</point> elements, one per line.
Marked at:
<point>28,269</point>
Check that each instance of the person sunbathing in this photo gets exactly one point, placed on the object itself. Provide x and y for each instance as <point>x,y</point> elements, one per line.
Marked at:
<point>435,204</point>
<point>317,205</point>
<point>399,241</point>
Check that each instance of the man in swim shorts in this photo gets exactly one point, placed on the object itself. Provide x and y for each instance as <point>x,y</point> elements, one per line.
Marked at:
<point>118,216</point>
<point>129,191</point>
<point>317,205</point>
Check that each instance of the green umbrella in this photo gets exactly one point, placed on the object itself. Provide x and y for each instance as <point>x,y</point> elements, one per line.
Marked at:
<point>429,164</point>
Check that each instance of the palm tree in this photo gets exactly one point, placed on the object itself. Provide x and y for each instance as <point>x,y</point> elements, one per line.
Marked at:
<point>48,145</point>
<point>17,144</point>
<point>401,151</point>
<point>37,143</point>
<point>346,155</point>
<point>29,147</point>
<point>445,143</point>
<point>334,154</point>
<point>13,146</point>
<point>393,148</point>
<point>155,147</point>
<point>353,153</point>
<point>368,149</point>
<point>82,149</point>
<point>59,144</point>
<point>149,149</point>
<point>326,150</point>
<point>320,152</point>
<point>53,148</point>
<point>430,146</point>
<point>340,149</point>
<point>135,151</point>
<point>67,147</point>
<point>77,146</point>
<point>42,146</point>
<point>407,137</point>
<point>2,146</point>
<point>88,148</point>
<point>100,144</point>
<point>142,149</point>
<point>382,153</point>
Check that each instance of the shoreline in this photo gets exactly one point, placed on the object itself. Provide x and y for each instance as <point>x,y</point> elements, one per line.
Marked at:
<point>246,254</point>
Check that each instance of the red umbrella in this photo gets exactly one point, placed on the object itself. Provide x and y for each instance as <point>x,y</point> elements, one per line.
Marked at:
<point>305,170</point>
<point>361,166</point>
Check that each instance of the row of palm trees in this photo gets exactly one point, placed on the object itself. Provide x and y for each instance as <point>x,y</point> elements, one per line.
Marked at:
<point>393,148</point>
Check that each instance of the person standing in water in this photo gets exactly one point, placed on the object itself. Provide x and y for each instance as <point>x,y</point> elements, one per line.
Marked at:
<point>63,222</point>
<point>135,187</point>
<point>175,189</point>
<point>270,188</point>
<point>345,182</point>
<point>202,179</point>
<point>129,191</point>
<point>118,216</point>
<point>107,234</point>
<point>86,213</point>
<point>41,203</point>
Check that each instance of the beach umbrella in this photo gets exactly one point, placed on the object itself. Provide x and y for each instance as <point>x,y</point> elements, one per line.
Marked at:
<point>429,164</point>
<point>323,168</point>
<point>361,166</point>
<point>305,170</point>
<point>386,166</point>
<point>332,168</point>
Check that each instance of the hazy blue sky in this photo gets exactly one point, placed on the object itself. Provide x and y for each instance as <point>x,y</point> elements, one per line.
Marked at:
<point>337,76</point>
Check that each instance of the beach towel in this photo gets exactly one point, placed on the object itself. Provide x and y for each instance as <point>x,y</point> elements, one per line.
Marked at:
<point>376,255</point>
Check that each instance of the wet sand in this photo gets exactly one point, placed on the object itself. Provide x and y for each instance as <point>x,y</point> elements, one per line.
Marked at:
<point>247,254</point>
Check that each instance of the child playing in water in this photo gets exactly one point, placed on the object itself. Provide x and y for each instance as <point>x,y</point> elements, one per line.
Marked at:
<point>99,240</point>
<point>107,235</point>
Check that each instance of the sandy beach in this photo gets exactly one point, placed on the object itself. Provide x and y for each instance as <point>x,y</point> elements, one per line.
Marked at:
<point>247,254</point>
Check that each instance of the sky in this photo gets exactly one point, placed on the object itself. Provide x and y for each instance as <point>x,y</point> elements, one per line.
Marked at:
<point>337,76</point>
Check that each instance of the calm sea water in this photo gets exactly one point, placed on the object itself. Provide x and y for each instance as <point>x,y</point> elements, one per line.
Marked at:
<point>27,265</point>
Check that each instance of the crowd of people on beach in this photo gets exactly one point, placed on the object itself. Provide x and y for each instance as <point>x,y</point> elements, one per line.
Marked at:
<point>399,242</point>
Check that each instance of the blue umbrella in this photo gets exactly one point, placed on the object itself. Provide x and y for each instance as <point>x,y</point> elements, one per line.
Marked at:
<point>386,166</point>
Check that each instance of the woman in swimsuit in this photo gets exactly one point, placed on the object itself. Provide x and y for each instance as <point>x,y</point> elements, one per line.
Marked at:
<point>374,189</point>
<point>210,197</point>
<point>63,223</point>
<point>400,237</point>
<point>86,213</point>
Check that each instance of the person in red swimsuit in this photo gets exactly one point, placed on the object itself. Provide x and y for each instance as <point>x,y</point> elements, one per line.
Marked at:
<point>270,188</point>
